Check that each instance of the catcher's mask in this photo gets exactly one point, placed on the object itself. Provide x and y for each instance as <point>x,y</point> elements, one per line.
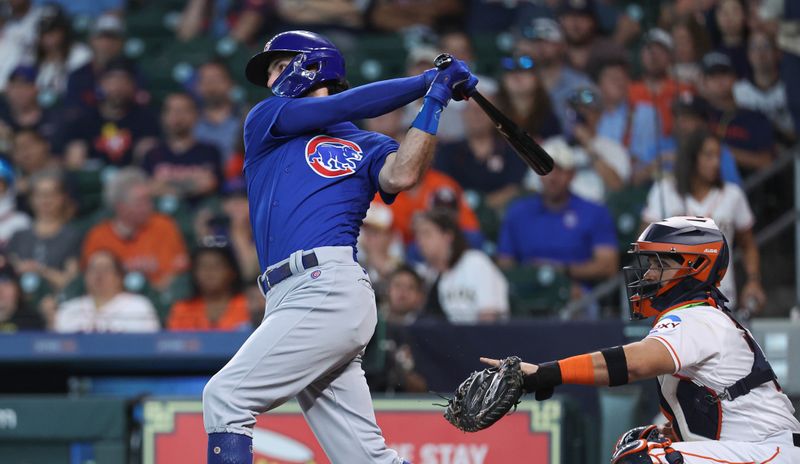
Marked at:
<point>674,260</point>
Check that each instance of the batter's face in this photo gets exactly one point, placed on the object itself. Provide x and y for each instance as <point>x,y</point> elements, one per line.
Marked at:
<point>275,69</point>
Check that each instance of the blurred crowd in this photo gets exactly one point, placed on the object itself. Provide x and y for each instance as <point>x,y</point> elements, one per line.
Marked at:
<point>123,207</point>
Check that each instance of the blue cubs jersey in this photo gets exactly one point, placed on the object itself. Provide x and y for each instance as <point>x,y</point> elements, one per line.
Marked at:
<point>308,190</point>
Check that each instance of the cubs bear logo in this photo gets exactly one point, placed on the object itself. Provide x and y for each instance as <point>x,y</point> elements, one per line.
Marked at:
<point>332,157</point>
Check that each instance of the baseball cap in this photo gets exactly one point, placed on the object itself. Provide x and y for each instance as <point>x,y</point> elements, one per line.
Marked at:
<point>581,7</point>
<point>108,25</point>
<point>689,103</point>
<point>24,72</point>
<point>716,63</point>
<point>561,152</point>
<point>379,216</point>
<point>659,36</point>
<point>543,29</point>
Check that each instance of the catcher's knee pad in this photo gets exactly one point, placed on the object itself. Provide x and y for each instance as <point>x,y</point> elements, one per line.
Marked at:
<point>635,446</point>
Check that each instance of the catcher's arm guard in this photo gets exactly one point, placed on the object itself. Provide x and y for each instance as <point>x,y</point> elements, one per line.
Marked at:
<point>486,396</point>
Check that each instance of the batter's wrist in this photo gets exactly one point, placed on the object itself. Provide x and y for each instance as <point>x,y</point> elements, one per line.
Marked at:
<point>427,119</point>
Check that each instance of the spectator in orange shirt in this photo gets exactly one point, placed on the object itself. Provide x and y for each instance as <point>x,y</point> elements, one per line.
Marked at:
<point>434,185</point>
<point>657,87</point>
<point>145,241</point>
<point>218,302</point>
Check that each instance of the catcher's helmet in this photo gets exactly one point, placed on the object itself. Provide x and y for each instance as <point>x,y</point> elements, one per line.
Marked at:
<point>700,255</point>
<point>317,60</point>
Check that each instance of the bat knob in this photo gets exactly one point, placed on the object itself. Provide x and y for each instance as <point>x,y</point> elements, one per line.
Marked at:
<point>443,61</point>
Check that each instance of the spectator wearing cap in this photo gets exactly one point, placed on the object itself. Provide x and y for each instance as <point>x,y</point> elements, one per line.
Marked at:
<point>469,287</point>
<point>434,189</point>
<point>11,220</point>
<point>380,249</point>
<point>145,241</point>
<point>691,114</point>
<point>764,91</point>
<point>18,36</point>
<point>601,164</point>
<point>220,119</point>
<point>15,314</point>
<point>484,162</point>
<point>241,20</point>
<point>106,39</point>
<point>217,302</point>
<point>691,42</point>
<point>180,165</point>
<point>729,29</point>
<point>524,98</point>
<point>119,131</point>
<point>49,247</point>
<point>543,41</point>
<point>631,125</point>
<point>20,109</point>
<point>657,87</point>
<point>57,53</point>
<point>747,133</point>
<point>578,19</point>
<point>106,306</point>
<point>559,228</point>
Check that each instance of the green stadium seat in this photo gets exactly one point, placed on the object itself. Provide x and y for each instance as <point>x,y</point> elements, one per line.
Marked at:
<point>537,290</point>
<point>626,206</point>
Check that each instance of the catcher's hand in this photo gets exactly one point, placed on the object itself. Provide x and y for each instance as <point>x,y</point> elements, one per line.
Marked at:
<point>486,396</point>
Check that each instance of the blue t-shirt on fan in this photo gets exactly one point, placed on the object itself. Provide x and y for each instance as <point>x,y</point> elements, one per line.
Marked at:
<point>308,190</point>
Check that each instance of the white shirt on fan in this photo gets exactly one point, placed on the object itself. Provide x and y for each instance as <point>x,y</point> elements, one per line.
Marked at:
<point>126,312</point>
<point>473,285</point>
<point>708,348</point>
<point>728,207</point>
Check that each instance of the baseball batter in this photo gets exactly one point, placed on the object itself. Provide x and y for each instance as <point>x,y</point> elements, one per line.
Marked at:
<point>716,387</point>
<point>310,177</point>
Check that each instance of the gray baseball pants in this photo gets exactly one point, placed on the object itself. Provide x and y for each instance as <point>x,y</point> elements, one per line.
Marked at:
<point>309,346</point>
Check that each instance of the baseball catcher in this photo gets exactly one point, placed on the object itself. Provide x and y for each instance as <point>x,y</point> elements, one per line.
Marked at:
<point>716,387</point>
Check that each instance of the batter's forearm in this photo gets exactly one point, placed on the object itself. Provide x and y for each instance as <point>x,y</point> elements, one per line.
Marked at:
<point>406,167</point>
<point>302,115</point>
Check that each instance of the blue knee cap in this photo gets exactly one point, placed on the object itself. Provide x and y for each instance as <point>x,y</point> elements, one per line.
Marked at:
<point>229,448</point>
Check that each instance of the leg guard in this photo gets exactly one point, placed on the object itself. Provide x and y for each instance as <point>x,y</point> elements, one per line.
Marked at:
<point>634,447</point>
<point>229,448</point>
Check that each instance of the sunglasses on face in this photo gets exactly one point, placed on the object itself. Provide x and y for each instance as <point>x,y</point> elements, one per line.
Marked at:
<point>518,63</point>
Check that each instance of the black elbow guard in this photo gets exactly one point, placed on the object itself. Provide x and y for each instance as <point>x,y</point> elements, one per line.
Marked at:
<point>617,366</point>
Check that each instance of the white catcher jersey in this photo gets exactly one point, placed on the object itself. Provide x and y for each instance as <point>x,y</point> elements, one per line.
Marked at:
<point>709,350</point>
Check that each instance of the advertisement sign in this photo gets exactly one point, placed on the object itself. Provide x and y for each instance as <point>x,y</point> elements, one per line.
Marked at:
<point>173,432</point>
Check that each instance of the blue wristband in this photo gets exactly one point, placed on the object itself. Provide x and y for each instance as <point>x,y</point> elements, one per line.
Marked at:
<point>427,119</point>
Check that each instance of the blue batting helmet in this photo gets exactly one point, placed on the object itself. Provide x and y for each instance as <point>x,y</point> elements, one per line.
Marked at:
<point>317,61</point>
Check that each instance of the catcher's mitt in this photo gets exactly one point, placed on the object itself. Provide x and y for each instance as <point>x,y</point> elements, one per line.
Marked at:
<point>486,396</point>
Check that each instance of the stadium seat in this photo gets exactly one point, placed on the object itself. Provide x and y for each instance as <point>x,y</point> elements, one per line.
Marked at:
<point>626,206</point>
<point>537,290</point>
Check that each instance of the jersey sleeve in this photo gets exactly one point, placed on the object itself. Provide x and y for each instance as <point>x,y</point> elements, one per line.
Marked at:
<point>744,219</point>
<point>383,148</point>
<point>687,337</point>
<point>258,134</point>
<point>491,284</point>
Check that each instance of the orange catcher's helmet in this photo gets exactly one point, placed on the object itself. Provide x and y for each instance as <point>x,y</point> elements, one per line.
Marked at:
<point>676,260</point>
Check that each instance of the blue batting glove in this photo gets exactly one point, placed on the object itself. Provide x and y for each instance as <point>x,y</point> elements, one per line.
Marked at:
<point>463,90</point>
<point>447,80</point>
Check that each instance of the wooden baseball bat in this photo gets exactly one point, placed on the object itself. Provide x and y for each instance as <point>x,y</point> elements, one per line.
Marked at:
<point>523,144</point>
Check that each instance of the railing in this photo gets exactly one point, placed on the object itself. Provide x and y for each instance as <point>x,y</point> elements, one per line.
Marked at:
<point>762,237</point>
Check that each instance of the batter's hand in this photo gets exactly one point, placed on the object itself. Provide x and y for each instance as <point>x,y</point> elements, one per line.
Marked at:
<point>452,83</point>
